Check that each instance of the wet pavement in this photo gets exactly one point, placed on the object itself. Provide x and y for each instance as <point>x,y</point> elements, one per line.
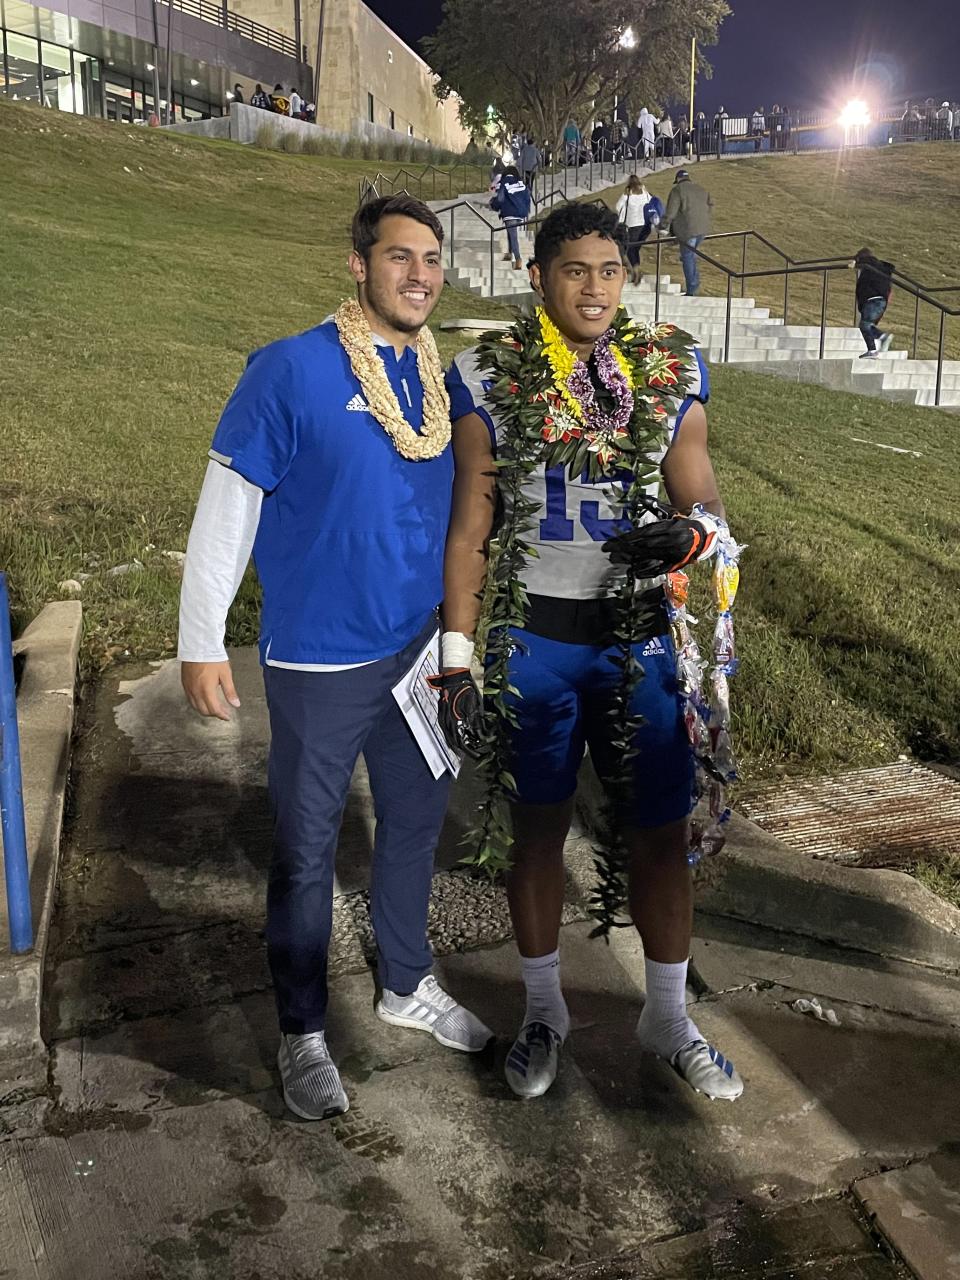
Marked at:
<point>162,1150</point>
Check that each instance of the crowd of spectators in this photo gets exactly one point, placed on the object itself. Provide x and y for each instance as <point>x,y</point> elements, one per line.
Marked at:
<point>280,102</point>
<point>928,122</point>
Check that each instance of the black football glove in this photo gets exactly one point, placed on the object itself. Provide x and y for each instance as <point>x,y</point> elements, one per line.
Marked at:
<point>663,546</point>
<point>461,710</point>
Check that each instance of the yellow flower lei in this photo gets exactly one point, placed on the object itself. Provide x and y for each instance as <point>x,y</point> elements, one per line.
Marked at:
<point>357,340</point>
<point>562,361</point>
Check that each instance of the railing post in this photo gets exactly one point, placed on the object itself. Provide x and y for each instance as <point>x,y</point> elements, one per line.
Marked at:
<point>453,214</point>
<point>492,229</point>
<point>823,315</point>
<point>936,398</point>
<point>916,328</point>
<point>15,868</point>
<point>656,285</point>
<point>726,327</point>
<point>743,263</point>
<point>786,292</point>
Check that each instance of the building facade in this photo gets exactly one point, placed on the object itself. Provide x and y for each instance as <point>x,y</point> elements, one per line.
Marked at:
<point>363,72</point>
<point>110,58</point>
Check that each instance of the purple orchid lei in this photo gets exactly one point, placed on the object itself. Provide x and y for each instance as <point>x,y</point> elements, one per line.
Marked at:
<point>611,376</point>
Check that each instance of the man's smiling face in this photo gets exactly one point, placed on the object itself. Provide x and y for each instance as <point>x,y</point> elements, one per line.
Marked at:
<point>401,279</point>
<point>581,287</point>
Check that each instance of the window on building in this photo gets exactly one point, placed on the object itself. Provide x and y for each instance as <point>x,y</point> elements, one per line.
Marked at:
<point>55,62</point>
<point>409,130</point>
<point>22,68</point>
<point>370,115</point>
<point>392,122</point>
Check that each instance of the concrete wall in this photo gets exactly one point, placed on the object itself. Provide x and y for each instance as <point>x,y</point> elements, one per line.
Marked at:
<point>361,56</point>
<point>244,124</point>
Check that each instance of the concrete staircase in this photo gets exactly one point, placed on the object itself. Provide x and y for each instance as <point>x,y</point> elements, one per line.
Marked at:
<point>759,342</point>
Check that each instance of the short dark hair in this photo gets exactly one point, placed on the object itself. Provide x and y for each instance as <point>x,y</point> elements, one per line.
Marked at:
<point>573,222</point>
<point>367,219</point>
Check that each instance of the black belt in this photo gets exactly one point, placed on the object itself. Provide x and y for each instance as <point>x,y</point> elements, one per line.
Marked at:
<point>593,622</point>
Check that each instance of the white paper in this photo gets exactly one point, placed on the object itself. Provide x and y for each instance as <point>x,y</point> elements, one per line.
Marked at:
<point>420,706</point>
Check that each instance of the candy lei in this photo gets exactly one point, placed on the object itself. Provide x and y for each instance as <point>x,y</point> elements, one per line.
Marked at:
<point>548,408</point>
<point>706,712</point>
<point>357,340</point>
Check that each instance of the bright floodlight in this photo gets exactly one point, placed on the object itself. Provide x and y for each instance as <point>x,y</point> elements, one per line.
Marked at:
<point>627,39</point>
<point>856,113</point>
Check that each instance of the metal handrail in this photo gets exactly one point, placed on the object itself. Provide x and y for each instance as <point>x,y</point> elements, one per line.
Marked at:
<point>824,266</point>
<point>219,15</point>
<point>417,177</point>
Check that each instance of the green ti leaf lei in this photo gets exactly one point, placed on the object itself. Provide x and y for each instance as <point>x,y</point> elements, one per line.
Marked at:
<point>522,396</point>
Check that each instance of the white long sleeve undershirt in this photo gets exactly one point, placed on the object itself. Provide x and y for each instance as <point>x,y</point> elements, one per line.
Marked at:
<point>218,552</point>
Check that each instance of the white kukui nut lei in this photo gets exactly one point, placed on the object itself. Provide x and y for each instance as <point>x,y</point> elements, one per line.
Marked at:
<point>368,369</point>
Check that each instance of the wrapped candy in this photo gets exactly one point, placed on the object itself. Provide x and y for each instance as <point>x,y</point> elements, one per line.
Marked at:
<point>707,712</point>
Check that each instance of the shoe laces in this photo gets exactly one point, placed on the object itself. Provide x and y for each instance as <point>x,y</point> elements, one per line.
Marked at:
<point>309,1049</point>
<point>430,990</point>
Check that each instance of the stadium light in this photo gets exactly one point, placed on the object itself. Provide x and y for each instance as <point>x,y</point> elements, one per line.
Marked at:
<point>855,114</point>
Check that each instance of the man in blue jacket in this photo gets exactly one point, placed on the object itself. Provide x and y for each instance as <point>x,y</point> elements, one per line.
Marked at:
<point>332,463</point>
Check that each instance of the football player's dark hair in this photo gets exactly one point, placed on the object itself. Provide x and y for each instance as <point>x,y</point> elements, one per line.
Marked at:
<point>366,220</point>
<point>573,222</point>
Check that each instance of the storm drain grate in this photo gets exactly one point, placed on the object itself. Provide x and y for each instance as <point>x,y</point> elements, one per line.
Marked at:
<point>886,817</point>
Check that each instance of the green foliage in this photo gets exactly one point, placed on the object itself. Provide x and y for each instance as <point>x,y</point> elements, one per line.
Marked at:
<point>564,61</point>
<point>522,382</point>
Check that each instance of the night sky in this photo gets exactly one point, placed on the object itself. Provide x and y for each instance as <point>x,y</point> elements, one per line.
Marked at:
<point>800,53</point>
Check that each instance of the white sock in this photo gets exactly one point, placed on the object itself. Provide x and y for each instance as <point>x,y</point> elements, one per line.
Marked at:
<point>664,1027</point>
<point>545,1002</point>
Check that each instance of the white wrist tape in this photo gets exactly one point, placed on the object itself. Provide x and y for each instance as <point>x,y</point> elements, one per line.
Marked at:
<point>716,527</point>
<point>456,649</point>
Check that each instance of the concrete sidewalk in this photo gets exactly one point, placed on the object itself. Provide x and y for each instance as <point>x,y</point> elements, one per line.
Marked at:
<point>162,1150</point>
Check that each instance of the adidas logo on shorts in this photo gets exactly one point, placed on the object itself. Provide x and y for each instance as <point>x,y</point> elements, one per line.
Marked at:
<point>653,647</point>
<point>357,405</point>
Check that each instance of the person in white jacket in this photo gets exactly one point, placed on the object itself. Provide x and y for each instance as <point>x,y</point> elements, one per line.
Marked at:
<point>647,124</point>
<point>632,211</point>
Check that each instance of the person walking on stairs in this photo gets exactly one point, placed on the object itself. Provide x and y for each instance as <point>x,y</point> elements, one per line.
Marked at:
<point>687,216</point>
<point>874,286</point>
<point>512,201</point>
<point>640,213</point>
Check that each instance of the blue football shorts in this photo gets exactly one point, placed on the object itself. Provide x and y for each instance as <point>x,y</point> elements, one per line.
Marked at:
<point>567,691</point>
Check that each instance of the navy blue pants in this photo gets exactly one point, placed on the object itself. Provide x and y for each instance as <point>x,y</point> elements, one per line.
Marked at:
<point>320,723</point>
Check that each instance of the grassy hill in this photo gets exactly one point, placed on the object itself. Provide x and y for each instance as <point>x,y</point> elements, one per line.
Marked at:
<point>140,268</point>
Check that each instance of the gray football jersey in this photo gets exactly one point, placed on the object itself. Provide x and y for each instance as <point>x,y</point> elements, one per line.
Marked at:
<point>574,517</point>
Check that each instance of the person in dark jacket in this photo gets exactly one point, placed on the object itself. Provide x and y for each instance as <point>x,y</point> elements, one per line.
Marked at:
<point>512,201</point>
<point>687,216</point>
<point>873,294</point>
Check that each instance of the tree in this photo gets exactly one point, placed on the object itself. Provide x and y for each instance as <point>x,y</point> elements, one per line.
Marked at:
<point>540,63</point>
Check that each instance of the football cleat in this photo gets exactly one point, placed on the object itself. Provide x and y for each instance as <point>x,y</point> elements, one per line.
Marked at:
<point>706,1070</point>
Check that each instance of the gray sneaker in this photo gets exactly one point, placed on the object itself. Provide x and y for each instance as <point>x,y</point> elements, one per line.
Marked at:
<point>533,1060</point>
<point>312,1088</point>
<point>706,1070</point>
<point>432,1009</point>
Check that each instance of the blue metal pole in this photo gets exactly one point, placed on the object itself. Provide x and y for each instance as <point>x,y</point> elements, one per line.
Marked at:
<point>15,869</point>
